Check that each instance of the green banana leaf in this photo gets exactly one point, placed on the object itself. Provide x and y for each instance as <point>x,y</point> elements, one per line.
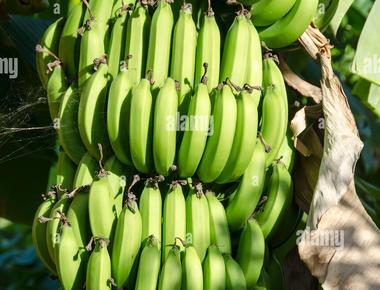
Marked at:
<point>341,11</point>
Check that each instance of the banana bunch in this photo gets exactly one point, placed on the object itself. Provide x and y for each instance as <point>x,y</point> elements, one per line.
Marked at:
<point>176,159</point>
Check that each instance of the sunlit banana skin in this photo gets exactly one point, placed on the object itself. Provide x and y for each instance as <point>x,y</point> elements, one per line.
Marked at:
<point>287,152</point>
<point>192,273</point>
<point>86,171</point>
<point>165,127</point>
<point>171,272</point>
<point>266,12</point>
<point>249,190</point>
<point>196,130</point>
<point>66,170</point>
<point>214,272</point>
<point>56,88</point>
<point>254,73</point>
<point>219,143</point>
<point>289,28</point>
<point>235,279</point>
<point>251,252</point>
<point>219,231</point>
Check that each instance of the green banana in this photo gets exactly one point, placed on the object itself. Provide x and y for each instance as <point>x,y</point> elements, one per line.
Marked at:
<point>287,153</point>
<point>220,142</point>
<point>214,272</point>
<point>196,130</point>
<point>184,49</point>
<point>208,51</point>
<point>56,89</point>
<point>254,74</point>
<point>160,38</point>
<point>151,210</point>
<point>92,113</point>
<point>86,171</point>
<point>48,44</point>
<point>289,28</point>
<point>219,232</point>
<point>174,218</point>
<point>141,127</point>
<point>235,279</point>
<point>198,220</point>
<point>99,267</point>
<point>69,43</point>
<point>235,53</point>
<point>66,170</point>
<point>251,252</point>
<point>39,233</point>
<point>279,197</point>
<point>325,13</point>
<point>244,140</point>
<point>126,244</point>
<point>249,190</point>
<point>137,41</point>
<point>267,12</point>
<point>165,127</point>
<point>67,127</point>
<point>171,273</point>
<point>192,274</point>
<point>149,265</point>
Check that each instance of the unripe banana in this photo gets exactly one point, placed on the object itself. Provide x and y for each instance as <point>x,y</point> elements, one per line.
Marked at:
<point>92,113</point>
<point>249,190</point>
<point>219,144</point>
<point>244,140</point>
<point>151,211</point>
<point>289,28</point>
<point>141,127</point>
<point>86,171</point>
<point>184,47</point>
<point>174,218</point>
<point>219,232</point>
<point>39,233</point>
<point>266,12</point>
<point>208,51</point>
<point>192,274</point>
<point>165,127</point>
<point>287,153</point>
<point>149,265</point>
<point>69,43</point>
<point>254,74</point>
<point>235,53</point>
<point>171,273</point>
<point>99,267</point>
<point>137,41</point>
<point>279,197</point>
<point>160,38</point>
<point>56,88</point>
<point>49,43</point>
<point>214,272</point>
<point>67,126</point>
<point>196,131</point>
<point>235,279</point>
<point>251,252</point>
<point>126,244</point>
<point>198,221</point>
<point>66,170</point>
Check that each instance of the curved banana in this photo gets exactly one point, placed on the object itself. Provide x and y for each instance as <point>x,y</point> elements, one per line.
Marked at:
<point>249,190</point>
<point>324,16</point>
<point>39,234</point>
<point>235,53</point>
<point>267,12</point>
<point>198,221</point>
<point>149,265</point>
<point>219,232</point>
<point>66,171</point>
<point>174,218</point>
<point>99,267</point>
<point>160,38</point>
<point>287,152</point>
<point>86,171</point>
<point>141,127</point>
<point>67,128</point>
<point>251,252</point>
<point>48,43</point>
<point>208,51</point>
<point>192,274</point>
<point>126,244</point>
<point>56,89</point>
<point>289,28</point>
<point>196,130</point>
<point>220,141</point>
<point>184,49</point>
<point>279,197</point>
<point>69,43</point>
<point>137,41</point>
<point>214,272</point>
<point>171,273</point>
<point>244,140</point>
<point>92,110</point>
<point>165,127</point>
<point>235,279</point>
<point>254,74</point>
